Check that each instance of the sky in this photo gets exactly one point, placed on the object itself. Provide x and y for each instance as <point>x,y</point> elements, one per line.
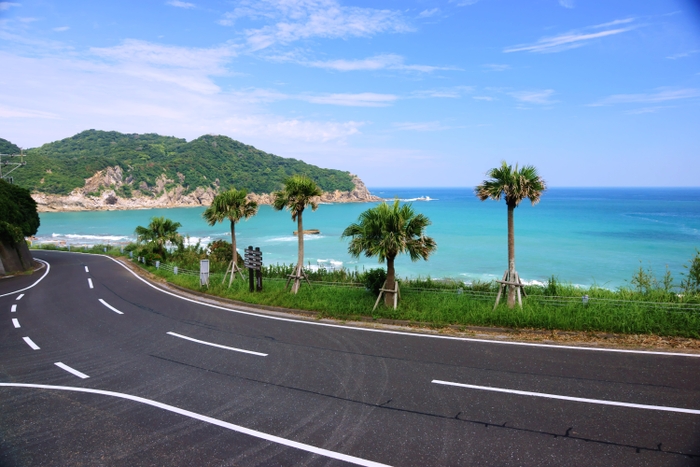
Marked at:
<point>401,93</point>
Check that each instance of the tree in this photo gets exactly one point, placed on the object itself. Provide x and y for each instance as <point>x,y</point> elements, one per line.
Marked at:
<point>298,193</point>
<point>158,233</point>
<point>234,206</point>
<point>386,231</point>
<point>515,185</point>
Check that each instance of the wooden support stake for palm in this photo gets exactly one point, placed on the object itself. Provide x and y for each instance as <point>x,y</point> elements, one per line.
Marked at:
<point>232,269</point>
<point>395,291</point>
<point>509,281</point>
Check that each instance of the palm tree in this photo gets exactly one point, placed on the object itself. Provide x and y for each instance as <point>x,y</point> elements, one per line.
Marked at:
<point>299,191</point>
<point>387,231</point>
<point>234,206</point>
<point>160,232</point>
<point>515,185</point>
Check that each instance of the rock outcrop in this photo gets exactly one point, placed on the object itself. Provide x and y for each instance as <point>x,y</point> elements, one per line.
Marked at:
<point>101,193</point>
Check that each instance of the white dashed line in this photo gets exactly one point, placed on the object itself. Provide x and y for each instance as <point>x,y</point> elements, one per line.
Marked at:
<point>86,269</point>
<point>90,283</point>
<point>572,399</point>
<point>14,308</point>
<point>213,421</point>
<point>19,297</point>
<point>15,322</point>
<point>71,370</point>
<point>110,307</point>
<point>31,343</point>
<point>217,345</point>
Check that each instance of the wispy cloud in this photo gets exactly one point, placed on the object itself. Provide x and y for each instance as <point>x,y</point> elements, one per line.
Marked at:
<point>179,4</point>
<point>573,39</point>
<point>293,20</point>
<point>378,62</point>
<point>420,126</point>
<point>429,13</point>
<point>7,5</point>
<point>534,97</point>
<point>567,3</point>
<point>483,98</point>
<point>495,67</point>
<point>364,99</point>
<point>450,93</point>
<point>62,29</point>
<point>464,2</point>
<point>683,54</point>
<point>662,95</point>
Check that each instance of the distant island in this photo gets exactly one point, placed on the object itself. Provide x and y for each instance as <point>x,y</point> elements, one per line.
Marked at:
<point>103,170</point>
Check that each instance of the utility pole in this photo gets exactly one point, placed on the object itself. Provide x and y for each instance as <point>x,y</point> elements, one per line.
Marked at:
<point>5,174</point>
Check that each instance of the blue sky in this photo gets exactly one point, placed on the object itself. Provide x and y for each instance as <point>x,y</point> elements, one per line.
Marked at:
<point>402,93</point>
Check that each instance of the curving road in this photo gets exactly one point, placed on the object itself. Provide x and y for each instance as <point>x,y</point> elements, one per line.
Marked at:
<point>98,367</point>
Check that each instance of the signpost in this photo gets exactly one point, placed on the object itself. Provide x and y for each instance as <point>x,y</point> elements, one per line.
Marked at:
<point>204,272</point>
<point>253,261</point>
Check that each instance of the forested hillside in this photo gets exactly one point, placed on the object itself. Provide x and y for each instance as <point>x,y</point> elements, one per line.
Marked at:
<point>61,166</point>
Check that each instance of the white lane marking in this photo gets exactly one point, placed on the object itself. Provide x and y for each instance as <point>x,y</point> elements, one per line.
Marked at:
<point>86,269</point>
<point>31,343</point>
<point>573,399</point>
<point>401,333</point>
<point>15,323</point>
<point>210,420</point>
<point>216,345</point>
<point>14,308</point>
<point>90,283</point>
<point>77,373</point>
<point>48,268</point>
<point>110,307</point>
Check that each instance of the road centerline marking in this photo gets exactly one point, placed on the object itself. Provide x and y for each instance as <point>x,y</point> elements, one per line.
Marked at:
<point>86,269</point>
<point>569,398</point>
<point>15,323</point>
<point>77,373</point>
<point>31,343</point>
<point>14,308</point>
<point>19,297</point>
<point>110,306</point>
<point>213,421</point>
<point>90,283</point>
<point>217,345</point>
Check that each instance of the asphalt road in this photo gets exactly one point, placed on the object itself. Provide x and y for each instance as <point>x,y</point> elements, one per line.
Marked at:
<point>97,367</point>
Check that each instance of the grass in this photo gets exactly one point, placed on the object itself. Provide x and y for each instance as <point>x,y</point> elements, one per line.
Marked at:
<point>438,303</point>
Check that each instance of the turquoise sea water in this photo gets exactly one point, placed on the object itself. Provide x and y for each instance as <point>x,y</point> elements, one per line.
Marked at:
<point>582,235</point>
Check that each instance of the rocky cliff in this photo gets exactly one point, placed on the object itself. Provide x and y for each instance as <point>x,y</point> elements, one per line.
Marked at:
<point>100,193</point>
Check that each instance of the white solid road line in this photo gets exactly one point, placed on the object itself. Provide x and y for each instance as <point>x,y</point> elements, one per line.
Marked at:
<point>90,283</point>
<point>15,323</point>
<point>572,399</point>
<point>31,343</point>
<point>210,420</point>
<point>217,345</point>
<point>110,307</point>
<point>48,268</point>
<point>402,333</point>
<point>14,308</point>
<point>86,269</point>
<point>77,373</point>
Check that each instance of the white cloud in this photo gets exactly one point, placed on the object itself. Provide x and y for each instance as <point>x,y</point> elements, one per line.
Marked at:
<point>483,98</point>
<point>450,93</point>
<point>365,99</point>
<point>572,39</point>
<point>683,54</point>
<point>464,2</point>
<point>4,6</point>
<point>496,67</point>
<point>62,29</point>
<point>534,97</point>
<point>566,3</point>
<point>294,20</point>
<point>378,62</point>
<point>179,4</point>
<point>420,126</point>
<point>429,13</point>
<point>18,112</point>
<point>662,95</point>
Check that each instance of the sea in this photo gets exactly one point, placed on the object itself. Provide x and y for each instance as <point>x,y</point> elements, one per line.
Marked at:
<point>582,236</point>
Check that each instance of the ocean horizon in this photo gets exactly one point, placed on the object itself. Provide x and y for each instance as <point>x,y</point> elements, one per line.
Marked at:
<point>583,236</point>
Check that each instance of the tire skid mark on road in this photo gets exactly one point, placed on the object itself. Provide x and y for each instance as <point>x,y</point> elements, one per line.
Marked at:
<point>217,345</point>
<point>404,333</point>
<point>213,421</point>
<point>631,405</point>
<point>73,371</point>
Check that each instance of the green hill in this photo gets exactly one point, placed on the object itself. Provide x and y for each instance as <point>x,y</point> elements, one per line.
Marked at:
<point>61,166</point>
<point>8,148</point>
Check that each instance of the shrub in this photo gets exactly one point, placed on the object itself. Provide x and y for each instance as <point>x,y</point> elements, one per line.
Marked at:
<point>374,280</point>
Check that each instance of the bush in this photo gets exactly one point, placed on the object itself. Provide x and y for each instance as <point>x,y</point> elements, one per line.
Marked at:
<point>691,284</point>
<point>374,280</point>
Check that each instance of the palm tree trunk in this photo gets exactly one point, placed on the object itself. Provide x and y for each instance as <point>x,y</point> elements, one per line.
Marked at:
<point>234,255</point>
<point>300,259</point>
<point>511,257</point>
<point>390,281</point>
